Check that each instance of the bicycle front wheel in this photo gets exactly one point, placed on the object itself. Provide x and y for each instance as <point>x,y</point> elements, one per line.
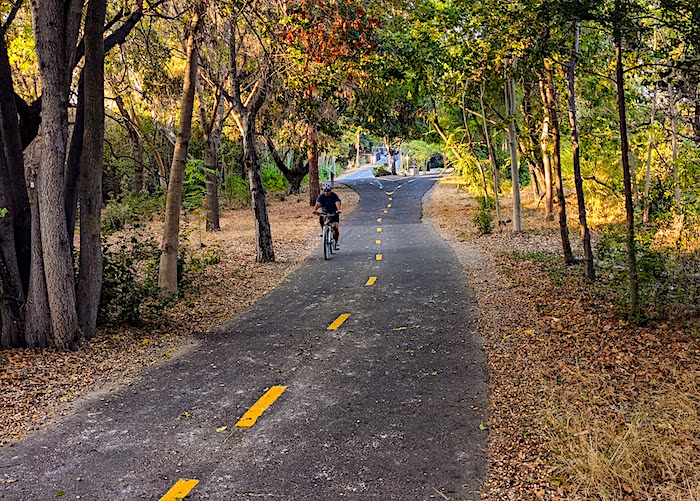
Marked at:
<point>327,242</point>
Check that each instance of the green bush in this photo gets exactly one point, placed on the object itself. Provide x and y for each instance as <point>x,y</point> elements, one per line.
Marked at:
<point>237,189</point>
<point>194,187</point>
<point>130,208</point>
<point>273,179</point>
<point>380,170</point>
<point>483,220</point>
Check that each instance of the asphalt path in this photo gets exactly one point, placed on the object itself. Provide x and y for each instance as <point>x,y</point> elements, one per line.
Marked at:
<point>388,405</point>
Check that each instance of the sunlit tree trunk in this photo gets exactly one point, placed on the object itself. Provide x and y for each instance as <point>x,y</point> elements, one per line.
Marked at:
<point>167,273</point>
<point>629,204</point>
<point>573,122</point>
<point>546,156</point>
<point>512,146</point>
<point>552,105</point>
<point>492,156</point>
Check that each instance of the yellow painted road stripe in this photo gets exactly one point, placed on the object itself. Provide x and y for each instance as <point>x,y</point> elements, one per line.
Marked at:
<point>379,257</point>
<point>180,490</point>
<point>386,211</point>
<point>338,321</point>
<point>250,417</point>
<point>390,198</point>
<point>371,281</point>
<point>379,230</point>
<point>388,206</point>
<point>378,242</point>
<point>379,219</point>
<point>389,192</point>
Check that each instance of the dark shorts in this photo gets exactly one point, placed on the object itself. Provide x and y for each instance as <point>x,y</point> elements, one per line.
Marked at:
<point>335,218</point>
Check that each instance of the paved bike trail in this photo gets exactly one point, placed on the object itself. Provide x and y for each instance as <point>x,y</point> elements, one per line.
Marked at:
<point>386,406</point>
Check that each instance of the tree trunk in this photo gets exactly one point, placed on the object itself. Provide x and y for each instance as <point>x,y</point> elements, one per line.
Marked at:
<point>492,155</point>
<point>629,205</point>
<point>512,146</point>
<point>212,133</point>
<point>546,156</point>
<point>167,273</point>
<point>11,293</point>
<point>552,104</point>
<point>73,163</point>
<point>265,252</point>
<point>647,178</point>
<point>11,140</point>
<point>53,37</point>
<point>357,147</point>
<point>573,122</point>
<point>90,266</point>
<point>314,182</point>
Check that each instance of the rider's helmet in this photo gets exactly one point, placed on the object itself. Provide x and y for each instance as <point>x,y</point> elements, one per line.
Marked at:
<point>327,187</point>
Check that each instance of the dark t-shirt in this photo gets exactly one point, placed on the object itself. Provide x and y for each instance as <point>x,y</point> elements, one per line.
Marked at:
<point>328,202</point>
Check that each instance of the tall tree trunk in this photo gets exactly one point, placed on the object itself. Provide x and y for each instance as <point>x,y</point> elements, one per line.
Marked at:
<point>552,104</point>
<point>624,146</point>
<point>573,122</point>
<point>647,177</point>
<point>492,156</point>
<point>167,273</point>
<point>11,140</point>
<point>11,293</point>
<point>357,147</point>
<point>314,181</point>
<point>55,34</point>
<point>73,163</point>
<point>90,266</point>
<point>512,146</point>
<point>546,155</point>
<point>265,252</point>
<point>212,134</point>
<point>534,154</point>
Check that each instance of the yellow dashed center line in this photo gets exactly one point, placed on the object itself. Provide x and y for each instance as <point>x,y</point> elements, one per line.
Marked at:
<point>379,257</point>
<point>386,211</point>
<point>388,206</point>
<point>379,219</point>
<point>379,230</point>
<point>390,198</point>
<point>250,417</point>
<point>180,490</point>
<point>378,242</point>
<point>371,281</point>
<point>338,321</point>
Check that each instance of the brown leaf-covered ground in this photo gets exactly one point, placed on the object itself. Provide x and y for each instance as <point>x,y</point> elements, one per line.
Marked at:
<point>36,385</point>
<point>584,405</point>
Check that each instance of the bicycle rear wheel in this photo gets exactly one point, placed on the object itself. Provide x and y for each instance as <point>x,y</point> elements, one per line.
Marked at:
<point>327,242</point>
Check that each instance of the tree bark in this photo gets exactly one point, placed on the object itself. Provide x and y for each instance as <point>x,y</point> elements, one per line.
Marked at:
<point>55,42</point>
<point>357,147</point>
<point>11,140</point>
<point>624,146</point>
<point>212,134</point>
<point>512,146</point>
<point>295,175</point>
<point>167,272</point>
<point>570,71</point>
<point>90,265</point>
<point>492,155</point>
<point>265,252</point>
<point>546,155</point>
<point>552,105</point>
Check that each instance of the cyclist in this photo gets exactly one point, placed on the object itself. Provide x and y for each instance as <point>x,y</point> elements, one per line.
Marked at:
<point>329,203</point>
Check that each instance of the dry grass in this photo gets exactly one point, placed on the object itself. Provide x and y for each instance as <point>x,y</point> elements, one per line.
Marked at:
<point>584,405</point>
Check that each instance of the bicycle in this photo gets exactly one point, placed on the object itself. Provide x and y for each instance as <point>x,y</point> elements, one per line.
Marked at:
<point>327,234</point>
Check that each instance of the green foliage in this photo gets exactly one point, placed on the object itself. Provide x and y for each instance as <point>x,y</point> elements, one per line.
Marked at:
<point>194,187</point>
<point>130,279</point>
<point>3,212</point>
<point>380,170</point>
<point>130,208</point>
<point>667,283</point>
<point>273,179</point>
<point>237,189</point>
<point>484,217</point>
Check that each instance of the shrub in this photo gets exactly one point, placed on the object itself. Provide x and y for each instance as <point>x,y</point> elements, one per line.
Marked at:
<point>273,179</point>
<point>130,208</point>
<point>380,170</point>
<point>237,189</point>
<point>483,220</point>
